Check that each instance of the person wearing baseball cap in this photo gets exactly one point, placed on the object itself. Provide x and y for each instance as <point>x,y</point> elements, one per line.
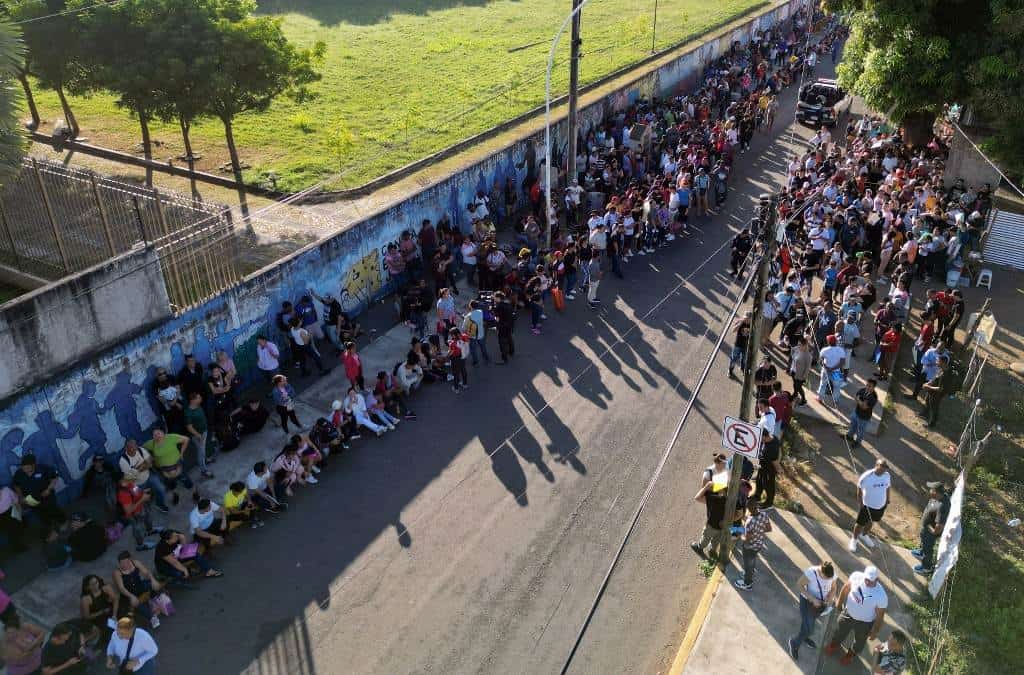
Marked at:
<point>933,519</point>
<point>831,358</point>
<point>862,602</point>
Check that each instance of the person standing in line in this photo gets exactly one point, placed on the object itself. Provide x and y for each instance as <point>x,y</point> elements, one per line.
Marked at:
<point>131,649</point>
<point>739,347</point>
<point>755,527</point>
<point>197,428</point>
<point>866,399</point>
<point>595,274</point>
<point>816,589</point>
<point>831,358</point>
<point>284,401</point>
<point>768,462</point>
<point>714,484</point>
<point>268,358</point>
<point>873,490</point>
<point>473,325</point>
<point>505,314</point>
<point>862,602</point>
<point>933,520</point>
<point>934,389</point>
<point>799,369</point>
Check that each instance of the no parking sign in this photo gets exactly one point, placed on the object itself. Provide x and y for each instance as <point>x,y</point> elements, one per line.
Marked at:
<point>741,437</point>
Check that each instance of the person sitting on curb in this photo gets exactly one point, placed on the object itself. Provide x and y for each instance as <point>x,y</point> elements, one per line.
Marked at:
<point>174,558</point>
<point>208,528</point>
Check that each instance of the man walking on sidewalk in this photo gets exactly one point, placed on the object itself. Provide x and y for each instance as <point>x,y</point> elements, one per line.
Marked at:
<point>873,489</point>
<point>755,527</point>
<point>932,521</point>
<point>816,590</point>
<point>863,602</point>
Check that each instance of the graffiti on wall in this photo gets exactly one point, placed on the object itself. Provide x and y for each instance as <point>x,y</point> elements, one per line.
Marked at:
<point>93,408</point>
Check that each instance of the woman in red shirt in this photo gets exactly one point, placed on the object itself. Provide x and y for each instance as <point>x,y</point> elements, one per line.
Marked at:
<point>889,346</point>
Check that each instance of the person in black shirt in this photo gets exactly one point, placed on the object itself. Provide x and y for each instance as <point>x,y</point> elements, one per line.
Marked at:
<point>191,377</point>
<point>933,519</point>
<point>64,651</point>
<point>506,317</point>
<point>867,399</point>
<point>331,318</point>
<point>739,347</point>
<point>88,540</point>
<point>36,486</point>
<point>741,245</point>
<point>765,376</point>
<point>251,417</point>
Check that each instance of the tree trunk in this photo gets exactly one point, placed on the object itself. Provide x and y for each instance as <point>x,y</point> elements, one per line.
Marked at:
<point>29,98</point>
<point>236,169</point>
<point>147,148</point>
<point>69,116</point>
<point>186,128</point>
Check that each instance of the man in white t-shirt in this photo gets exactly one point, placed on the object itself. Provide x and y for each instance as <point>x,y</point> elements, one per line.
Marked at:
<point>863,602</point>
<point>260,484</point>
<point>873,488</point>
<point>831,358</point>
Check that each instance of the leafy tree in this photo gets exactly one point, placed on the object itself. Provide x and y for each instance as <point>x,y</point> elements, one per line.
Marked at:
<point>12,140</point>
<point>54,50</point>
<point>22,71</point>
<point>908,58</point>
<point>122,42</point>
<point>255,65</point>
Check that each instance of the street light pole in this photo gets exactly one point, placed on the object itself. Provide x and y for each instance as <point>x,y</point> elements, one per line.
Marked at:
<point>654,26</point>
<point>578,5</point>
<point>574,83</point>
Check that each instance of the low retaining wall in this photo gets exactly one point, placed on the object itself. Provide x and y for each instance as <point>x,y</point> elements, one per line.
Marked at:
<point>92,407</point>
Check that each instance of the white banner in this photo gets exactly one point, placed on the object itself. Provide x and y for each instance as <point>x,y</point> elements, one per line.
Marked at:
<point>949,543</point>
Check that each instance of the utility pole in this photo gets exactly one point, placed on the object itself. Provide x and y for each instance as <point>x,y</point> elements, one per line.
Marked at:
<point>654,26</point>
<point>574,85</point>
<point>768,247</point>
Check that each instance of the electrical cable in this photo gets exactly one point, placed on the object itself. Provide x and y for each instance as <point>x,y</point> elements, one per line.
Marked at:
<point>67,12</point>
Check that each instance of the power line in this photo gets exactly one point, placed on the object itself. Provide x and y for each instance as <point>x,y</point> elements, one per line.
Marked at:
<point>77,10</point>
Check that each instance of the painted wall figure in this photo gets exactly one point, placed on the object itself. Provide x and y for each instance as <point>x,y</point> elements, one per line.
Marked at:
<point>44,444</point>
<point>122,400</point>
<point>84,421</point>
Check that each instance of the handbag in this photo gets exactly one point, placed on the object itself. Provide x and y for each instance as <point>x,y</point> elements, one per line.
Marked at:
<point>187,551</point>
<point>162,603</point>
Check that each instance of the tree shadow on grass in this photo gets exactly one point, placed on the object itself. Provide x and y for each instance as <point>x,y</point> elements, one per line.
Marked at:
<point>360,12</point>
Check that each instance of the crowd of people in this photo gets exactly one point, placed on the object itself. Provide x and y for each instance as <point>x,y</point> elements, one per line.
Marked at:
<point>866,219</point>
<point>860,215</point>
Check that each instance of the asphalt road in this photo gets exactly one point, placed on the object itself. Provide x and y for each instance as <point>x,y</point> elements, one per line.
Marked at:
<point>474,539</point>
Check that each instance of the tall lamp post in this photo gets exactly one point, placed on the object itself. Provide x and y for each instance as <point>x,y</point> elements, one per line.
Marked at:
<point>573,18</point>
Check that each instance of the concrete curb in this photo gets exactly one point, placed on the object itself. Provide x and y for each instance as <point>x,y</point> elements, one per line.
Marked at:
<point>700,615</point>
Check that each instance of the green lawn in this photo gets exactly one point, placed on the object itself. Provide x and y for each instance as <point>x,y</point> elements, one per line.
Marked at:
<point>409,77</point>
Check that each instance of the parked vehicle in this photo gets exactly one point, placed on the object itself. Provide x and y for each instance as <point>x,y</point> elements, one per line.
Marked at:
<point>818,102</point>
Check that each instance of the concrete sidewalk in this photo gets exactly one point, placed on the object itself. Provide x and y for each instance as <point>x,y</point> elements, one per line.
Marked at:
<point>746,631</point>
<point>53,597</point>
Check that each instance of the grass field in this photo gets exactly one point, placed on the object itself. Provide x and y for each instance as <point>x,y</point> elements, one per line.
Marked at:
<point>408,77</point>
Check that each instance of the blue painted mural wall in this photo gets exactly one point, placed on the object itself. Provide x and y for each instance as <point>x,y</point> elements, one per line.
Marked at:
<point>92,409</point>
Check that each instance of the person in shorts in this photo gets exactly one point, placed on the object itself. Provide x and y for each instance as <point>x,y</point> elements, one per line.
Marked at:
<point>873,488</point>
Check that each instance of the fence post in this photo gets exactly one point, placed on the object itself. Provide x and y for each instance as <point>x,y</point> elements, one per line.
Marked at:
<point>103,215</point>
<point>48,207</point>
<point>7,231</point>
<point>166,253</point>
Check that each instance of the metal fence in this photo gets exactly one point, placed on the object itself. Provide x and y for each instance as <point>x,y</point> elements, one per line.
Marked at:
<point>57,220</point>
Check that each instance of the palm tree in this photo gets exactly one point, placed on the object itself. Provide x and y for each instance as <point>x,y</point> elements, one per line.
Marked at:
<point>12,138</point>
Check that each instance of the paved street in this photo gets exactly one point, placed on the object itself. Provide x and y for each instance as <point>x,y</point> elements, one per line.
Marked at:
<point>474,539</point>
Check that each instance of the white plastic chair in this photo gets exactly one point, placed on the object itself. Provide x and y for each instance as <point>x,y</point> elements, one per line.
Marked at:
<point>985,279</point>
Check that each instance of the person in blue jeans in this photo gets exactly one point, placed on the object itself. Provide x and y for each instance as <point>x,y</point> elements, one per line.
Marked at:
<point>816,589</point>
<point>173,555</point>
<point>866,399</point>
